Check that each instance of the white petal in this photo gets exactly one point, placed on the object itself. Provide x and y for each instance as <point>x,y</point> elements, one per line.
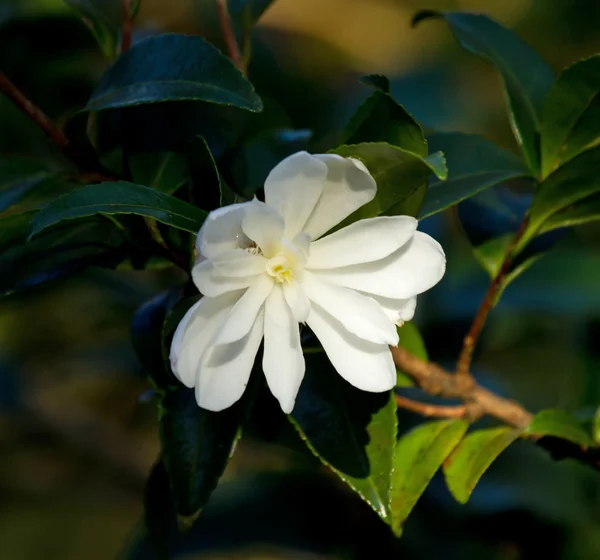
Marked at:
<point>293,188</point>
<point>359,314</point>
<point>398,310</point>
<point>363,241</point>
<point>283,362</point>
<point>366,365</point>
<point>210,283</point>
<point>195,331</point>
<point>348,186</point>
<point>222,231</point>
<point>239,262</point>
<point>297,300</point>
<point>409,271</point>
<point>244,312</point>
<point>264,226</point>
<point>225,369</point>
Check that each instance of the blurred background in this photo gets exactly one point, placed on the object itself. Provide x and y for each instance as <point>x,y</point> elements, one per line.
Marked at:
<point>78,430</point>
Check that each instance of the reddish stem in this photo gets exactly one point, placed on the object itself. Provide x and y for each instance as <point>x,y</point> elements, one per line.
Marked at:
<point>233,49</point>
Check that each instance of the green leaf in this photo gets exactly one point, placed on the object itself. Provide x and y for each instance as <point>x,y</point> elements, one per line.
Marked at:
<point>173,67</point>
<point>120,197</point>
<point>419,454</point>
<point>527,78</point>
<point>473,456</point>
<point>381,119</point>
<point>596,427</point>
<point>558,423</point>
<point>105,20</point>
<point>163,171</point>
<point>474,164</point>
<point>160,520</point>
<point>197,445</point>
<point>351,431</point>
<point>572,182</point>
<point>411,340</point>
<point>400,175</point>
<point>571,115</point>
<point>378,81</point>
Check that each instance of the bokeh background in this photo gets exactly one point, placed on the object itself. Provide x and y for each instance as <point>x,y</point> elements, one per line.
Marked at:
<point>77,425</point>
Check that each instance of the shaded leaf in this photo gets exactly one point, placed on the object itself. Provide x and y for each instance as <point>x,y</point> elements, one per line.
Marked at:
<point>245,13</point>
<point>411,340</point>
<point>400,175</point>
<point>120,197</point>
<point>163,171</point>
<point>527,78</point>
<point>474,164</point>
<point>381,119</point>
<point>172,67</point>
<point>206,188</point>
<point>571,116</point>
<point>473,456</point>
<point>418,456</point>
<point>582,212</point>
<point>558,423</point>
<point>351,431</point>
<point>378,81</point>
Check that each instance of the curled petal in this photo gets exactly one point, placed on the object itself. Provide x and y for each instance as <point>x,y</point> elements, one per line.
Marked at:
<point>239,262</point>
<point>283,362</point>
<point>194,333</point>
<point>222,231</point>
<point>348,186</point>
<point>293,188</point>
<point>211,283</point>
<point>224,370</point>
<point>398,310</point>
<point>359,314</point>
<point>366,365</point>
<point>264,226</point>
<point>363,241</point>
<point>409,271</point>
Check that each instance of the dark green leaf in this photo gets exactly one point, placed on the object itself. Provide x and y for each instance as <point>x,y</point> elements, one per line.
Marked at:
<point>400,175</point>
<point>14,229</point>
<point>105,20</point>
<point>571,116</point>
<point>558,423</point>
<point>527,78</point>
<point>473,456</point>
<point>474,164</point>
<point>197,445</point>
<point>164,171</point>
<point>206,185</point>
<point>378,81</point>
<point>160,519</point>
<point>596,427</point>
<point>569,184</point>
<point>381,119</point>
<point>411,340</point>
<point>419,454</point>
<point>351,431</point>
<point>120,197</point>
<point>173,67</point>
<point>582,212</point>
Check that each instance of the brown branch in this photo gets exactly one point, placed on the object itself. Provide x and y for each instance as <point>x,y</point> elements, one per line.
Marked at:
<point>127,30</point>
<point>32,111</point>
<point>233,49</point>
<point>431,410</point>
<point>464,361</point>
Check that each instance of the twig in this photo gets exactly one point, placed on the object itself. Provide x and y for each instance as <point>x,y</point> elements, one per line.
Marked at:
<point>127,30</point>
<point>233,50</point>
<point>431,410</point>
<point>32,111</point>
<point>464,361</point>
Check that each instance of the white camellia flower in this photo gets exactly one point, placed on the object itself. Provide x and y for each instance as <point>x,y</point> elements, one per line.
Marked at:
<point>265,267</point>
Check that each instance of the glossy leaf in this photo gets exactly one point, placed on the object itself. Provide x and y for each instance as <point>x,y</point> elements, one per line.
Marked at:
<point>572,182</point>
<point>120,197</point>
<point>571,116</point>
<point>411,340</point>
<point>400,175</point>
<point>474,164</point>
<point>527,78</point>
<point>381,119</point>
<point>418,456</point>
<point>173,67</point>
<point>558,423</point>
<point>163,171</point>
<point>351,431</point>
<point>473,456</point>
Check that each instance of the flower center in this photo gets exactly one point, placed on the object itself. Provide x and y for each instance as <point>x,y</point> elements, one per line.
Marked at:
<point>279,268</point>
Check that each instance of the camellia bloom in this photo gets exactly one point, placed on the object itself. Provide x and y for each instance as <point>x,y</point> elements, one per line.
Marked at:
<point>265,267</point>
